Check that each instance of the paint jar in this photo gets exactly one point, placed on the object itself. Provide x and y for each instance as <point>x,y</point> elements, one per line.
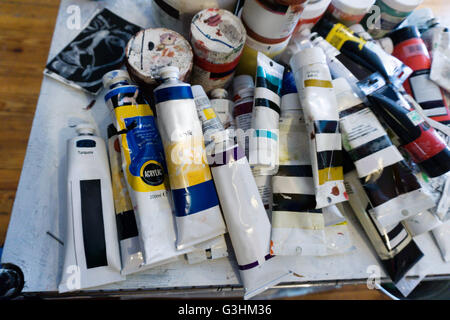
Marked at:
<point>152,49</point>
<point>269,22</point>
<point>349,12</point>
<point>223,107</point>
<point>177,15</point>
<point>411,50</point>
<point>197,212</point>
<point>247,64</point>
<point>217,38</point>
<point>314,10</point>
<point>393,12</point>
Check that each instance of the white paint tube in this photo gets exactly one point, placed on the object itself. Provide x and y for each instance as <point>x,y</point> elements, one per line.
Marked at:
<point>313,81</point>
<point>393,190</point>
<point>438,189</point>
<point>144,169</point>
<point>197,210</point>
<point>223,107</point>
<point>213,249</point>
<point>337,233</point>
<point>421,223</point>
<point>130,247</point>
<point>442,236</point>
<point>263,149</point>
<point>264,184</point>
<point>92,256</point>
<point>297,227</point>
<point>394,245</point>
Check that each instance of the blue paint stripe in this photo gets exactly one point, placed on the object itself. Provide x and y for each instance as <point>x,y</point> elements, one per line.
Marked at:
<point>260,72</point>
<point>113,92</point>
<point>173,93</point>
<point>194,199</point>
<point>266,134</point>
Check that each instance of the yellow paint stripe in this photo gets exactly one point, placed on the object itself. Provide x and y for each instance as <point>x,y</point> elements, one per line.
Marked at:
<point>318,83</point>
<point>330,174</point>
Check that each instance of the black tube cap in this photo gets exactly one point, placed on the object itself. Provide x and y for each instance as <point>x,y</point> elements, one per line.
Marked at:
<point>11,281</point>
<point>112,131</point>
<point>403,34</point>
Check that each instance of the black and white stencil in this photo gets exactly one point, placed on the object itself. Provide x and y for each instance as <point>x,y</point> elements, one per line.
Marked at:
<point>98,48</point>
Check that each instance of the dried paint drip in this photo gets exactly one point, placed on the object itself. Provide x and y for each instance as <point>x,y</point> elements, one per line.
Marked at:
<point>217,38</point>
<point>152,49</point>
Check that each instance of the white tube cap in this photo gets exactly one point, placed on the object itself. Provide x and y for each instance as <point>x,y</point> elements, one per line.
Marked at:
<point>115,76</point>
<point>169,72</point>
<point>85,129</point>
<point>219,93</point>
<point>306,57</point>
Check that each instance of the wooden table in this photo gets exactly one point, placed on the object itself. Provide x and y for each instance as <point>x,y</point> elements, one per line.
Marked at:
<point>27,27</point>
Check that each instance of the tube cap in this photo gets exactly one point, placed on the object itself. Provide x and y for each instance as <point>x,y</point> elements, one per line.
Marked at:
<point>306,57</point>
<point>219,93</point>
<point>85,128</point>
<point>387,44</point>
<point>403,34</point>
<point>169,72</point>
<point>115,76</point>
<point>112,131</point>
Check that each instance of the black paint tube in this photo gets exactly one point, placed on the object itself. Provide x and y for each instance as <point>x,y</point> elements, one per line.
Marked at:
<point>394,245</point>
<point>362,52</point>
<point>418,138</point>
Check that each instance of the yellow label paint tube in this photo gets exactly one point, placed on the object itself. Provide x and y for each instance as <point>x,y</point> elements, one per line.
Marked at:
<point>197,212</point>
<point>317,97</point>
<point>393,189</point>
<point>297,226</point>
<point>144,169</point>
<point>92,255</point>
<point>130,247</point>
<point>263,149</point>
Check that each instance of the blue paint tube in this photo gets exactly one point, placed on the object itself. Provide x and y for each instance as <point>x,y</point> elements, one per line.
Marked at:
<point>265,116</point>
<point>197,212</point>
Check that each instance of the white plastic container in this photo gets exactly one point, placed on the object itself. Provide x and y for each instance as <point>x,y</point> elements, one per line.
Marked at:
<point>349,12</point>
<point>314,10</point>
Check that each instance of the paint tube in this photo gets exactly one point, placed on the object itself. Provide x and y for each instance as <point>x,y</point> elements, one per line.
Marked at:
<point>92,256</point>
<point>223,107</point>
<point>313,81</point>
<point>394,245</point>
<point>391,186</point>
<point>213,249</point>
<point>385,43</point>
<point>419,139</point>
<point>263,149</point>
<point>337,233</point>
<point>421,223</point>
<point>144,169</point>
<point>242,114</point>
<point>197,211</point>
<point>362,52</point>
<point>297,226</point>
<point>349,12</point>
<point>152,49</point>
<point>130,247</point>
<point>411,50</point>
<point>442,236</point>
<point>217,38</point>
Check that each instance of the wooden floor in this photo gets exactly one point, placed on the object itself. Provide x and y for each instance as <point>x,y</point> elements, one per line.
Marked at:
<point>26,31</point>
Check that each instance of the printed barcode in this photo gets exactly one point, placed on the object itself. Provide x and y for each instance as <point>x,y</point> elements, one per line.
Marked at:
<point>414,50</point>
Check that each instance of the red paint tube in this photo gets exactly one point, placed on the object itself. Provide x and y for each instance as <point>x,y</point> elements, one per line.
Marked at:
<point>421,141</point>
<point>411,50</point>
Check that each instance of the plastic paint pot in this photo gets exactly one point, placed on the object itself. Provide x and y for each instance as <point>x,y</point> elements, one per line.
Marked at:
<point>150,50</point>
<point>291,2</point>
<point>411,50</point>
<point>312,13</point>
<point>269,22</point>
<point>217,38</point>
<point>247,64</point>
<point>349,12</point>
<point>393,12</point>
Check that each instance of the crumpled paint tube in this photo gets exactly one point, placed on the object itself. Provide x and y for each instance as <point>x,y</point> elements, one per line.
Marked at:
<point>368,54</point>
<point>197,210</point>
<point>130,247</point>
<point>393,190</point>
<point>213,249</point>
<point>439,190</point>
<point>337,233</point>
<point>265,116</point>
<point>421,223</point>
<point>442,236</point>
<point>421,141</point>
<point>297,227</point>
<point>394,245</point>
<point>313,81</point>
<point>144,168</point>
